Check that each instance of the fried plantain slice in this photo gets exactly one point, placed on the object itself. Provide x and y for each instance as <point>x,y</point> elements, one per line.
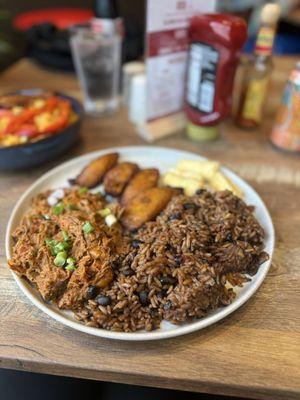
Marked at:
<point>146,206</point>
<point>117,178</point>
<point>94,172</point>
<point>143,180</point>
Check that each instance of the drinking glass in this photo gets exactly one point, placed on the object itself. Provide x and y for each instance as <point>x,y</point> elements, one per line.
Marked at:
<point>96,56</point>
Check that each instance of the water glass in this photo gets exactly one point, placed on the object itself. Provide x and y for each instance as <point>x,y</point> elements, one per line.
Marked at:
<point>97,56</point>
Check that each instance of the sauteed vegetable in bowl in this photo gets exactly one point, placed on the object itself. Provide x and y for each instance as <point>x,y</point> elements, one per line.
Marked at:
<point>36,126</point>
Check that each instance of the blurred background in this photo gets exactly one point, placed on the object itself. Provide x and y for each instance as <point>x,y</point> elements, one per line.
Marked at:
<point>38,29</point>
<point>27,28</point>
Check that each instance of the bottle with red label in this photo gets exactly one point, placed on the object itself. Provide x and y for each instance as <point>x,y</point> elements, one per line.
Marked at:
<point>215,44</point>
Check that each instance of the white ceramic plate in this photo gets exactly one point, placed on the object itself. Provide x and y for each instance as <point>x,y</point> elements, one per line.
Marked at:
<point>163,159</point>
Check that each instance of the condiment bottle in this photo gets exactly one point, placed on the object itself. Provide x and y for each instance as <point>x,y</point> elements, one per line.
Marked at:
<point>258,71</point>
<point>107,18</point>
<point>286,131</point>
<point>215,44</point>
<point>130,70</point>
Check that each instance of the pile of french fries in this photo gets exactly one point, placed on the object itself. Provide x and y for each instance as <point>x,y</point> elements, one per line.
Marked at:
<point>192,175</point>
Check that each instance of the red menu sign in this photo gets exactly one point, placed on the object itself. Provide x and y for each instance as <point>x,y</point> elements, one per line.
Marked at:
<point>167,45</point>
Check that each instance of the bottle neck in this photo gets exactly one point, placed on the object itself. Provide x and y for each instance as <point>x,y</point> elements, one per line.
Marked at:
<point>107,19</point>
<point>106,9</point>
<point>265,40</point>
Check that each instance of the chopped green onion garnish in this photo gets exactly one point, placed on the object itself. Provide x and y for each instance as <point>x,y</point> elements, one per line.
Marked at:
<point>60,259</point>
<point>70,264</point>
<point>82,190</point>
<point>65,235</point>
<point>58,208</point>
<point>46,216</point>
<point>104,212</point>
<point>51,243</point>
<point>36,216</point>
<point>87,227</point>
<point>58,248</point>
<point>61,246</point>
<point>72,207</point>
<point>70,267</point>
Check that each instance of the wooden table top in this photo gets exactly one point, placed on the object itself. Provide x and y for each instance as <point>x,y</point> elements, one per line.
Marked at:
<point>253,353</point>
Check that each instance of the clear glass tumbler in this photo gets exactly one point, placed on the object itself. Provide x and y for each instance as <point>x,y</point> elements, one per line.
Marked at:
<point>97,58</point>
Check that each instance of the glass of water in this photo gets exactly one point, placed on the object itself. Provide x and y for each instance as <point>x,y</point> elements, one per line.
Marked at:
<point>96,56</point>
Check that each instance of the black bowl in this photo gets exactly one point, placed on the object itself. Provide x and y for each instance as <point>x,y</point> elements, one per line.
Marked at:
<point>34,153</point>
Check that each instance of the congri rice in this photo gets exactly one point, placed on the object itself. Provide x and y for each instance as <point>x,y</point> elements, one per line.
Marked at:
<point>177,268</point>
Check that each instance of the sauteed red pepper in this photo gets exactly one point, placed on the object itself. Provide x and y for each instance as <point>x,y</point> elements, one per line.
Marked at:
<point>29,117</point>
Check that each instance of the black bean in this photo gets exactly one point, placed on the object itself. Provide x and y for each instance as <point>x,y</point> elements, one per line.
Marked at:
<point>189,206</point>
<point>200,191</point>
<point>153,312</point>
<point>167,280</point>
<point>128,272</point>
<point>129,259</point>
<point>168,247</point>
<point>91,292</point>
<point>176,215</point>
<point>229,237</point>
<point>136,243</point>
<point>162,293</point>
<point>116,264</point>
<point>143,296</point>
<point>134,231</point>
<point>178,260</point>
<point>168,305</point>
<point>103,300</point>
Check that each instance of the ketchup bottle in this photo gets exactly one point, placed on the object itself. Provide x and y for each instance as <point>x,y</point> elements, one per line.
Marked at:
<point>215,44</point>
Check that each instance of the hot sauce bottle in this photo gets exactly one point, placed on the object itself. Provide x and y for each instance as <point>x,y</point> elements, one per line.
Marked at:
<point>286,131</point>
<point>258,71</point>
<point>215,44</point>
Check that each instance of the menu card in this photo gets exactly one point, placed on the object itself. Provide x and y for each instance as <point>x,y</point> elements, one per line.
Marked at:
<point>166,54</point>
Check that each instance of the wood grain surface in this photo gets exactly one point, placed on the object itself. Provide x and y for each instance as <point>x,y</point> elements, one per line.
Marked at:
<point>253,353</point>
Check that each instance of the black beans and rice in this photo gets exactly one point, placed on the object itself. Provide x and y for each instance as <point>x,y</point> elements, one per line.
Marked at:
<point>177,268</point>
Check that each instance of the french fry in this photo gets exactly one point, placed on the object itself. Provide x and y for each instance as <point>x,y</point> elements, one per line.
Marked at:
<point>220,182</point>
<point>192,175</point>
<point>189,185</point>
<point>187,174</point>
<point>204,168</point>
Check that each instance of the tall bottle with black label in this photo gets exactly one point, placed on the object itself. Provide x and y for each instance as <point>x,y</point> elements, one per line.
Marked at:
<point>215,44</point>
<point>107,18</point>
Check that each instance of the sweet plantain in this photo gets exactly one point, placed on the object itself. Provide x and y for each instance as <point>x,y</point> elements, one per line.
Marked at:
<point>146,206</point>
<point>94,172</point>
<point>143,180</point>
<point>117,178</point>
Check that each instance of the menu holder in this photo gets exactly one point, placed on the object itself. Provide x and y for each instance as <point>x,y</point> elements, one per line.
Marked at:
<point>166,62</point>
<point>163,126</point>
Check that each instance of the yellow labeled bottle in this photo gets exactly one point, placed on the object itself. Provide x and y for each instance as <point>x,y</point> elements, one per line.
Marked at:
<point>258,71</point>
